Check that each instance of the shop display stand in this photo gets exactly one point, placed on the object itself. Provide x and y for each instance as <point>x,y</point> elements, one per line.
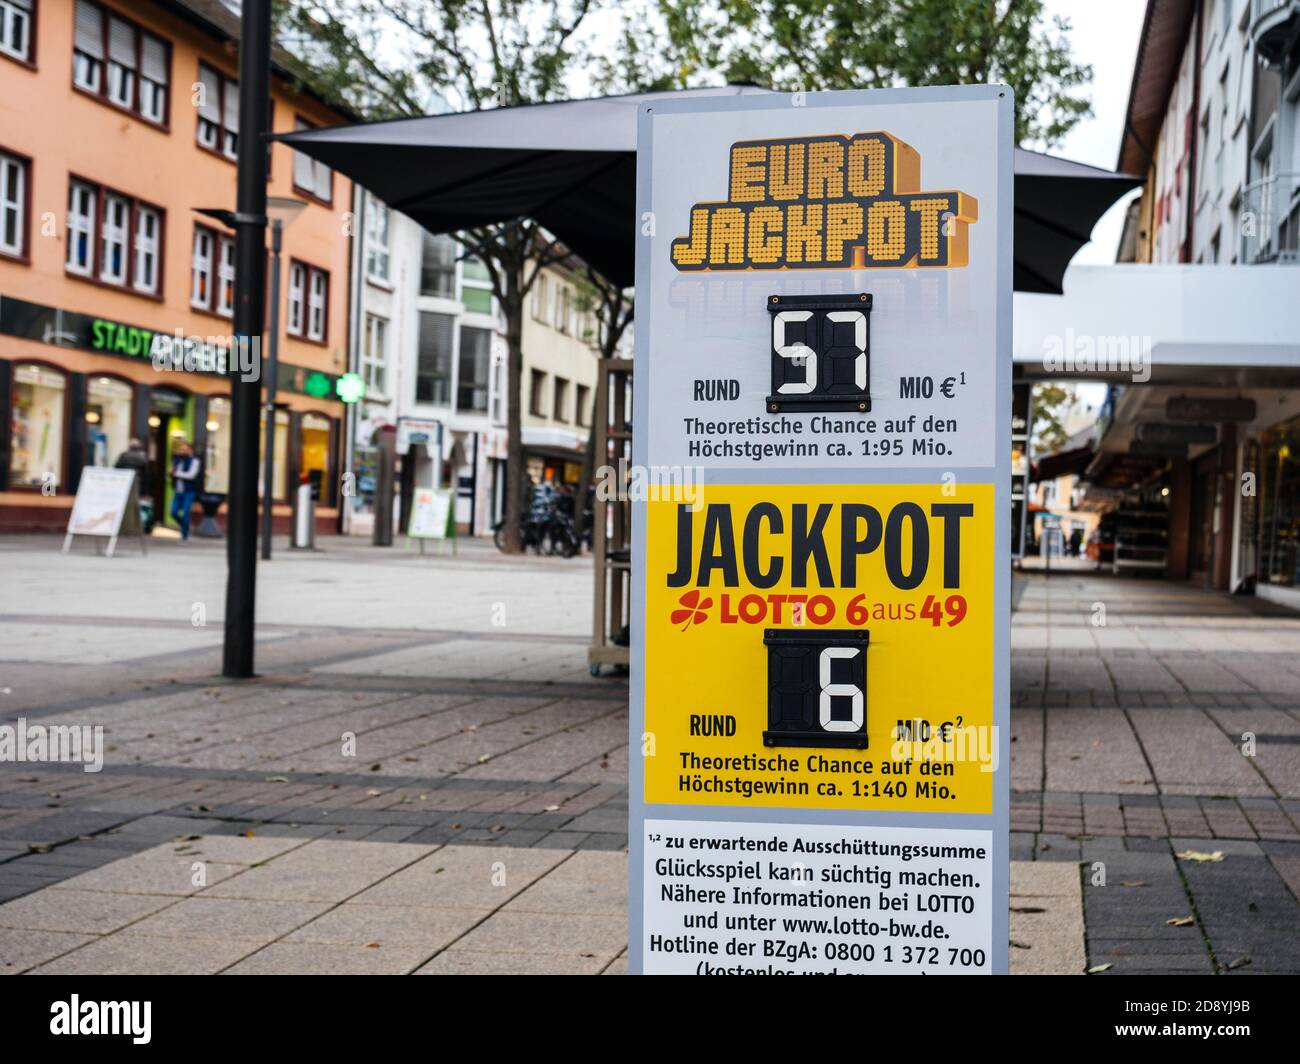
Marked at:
<point>612,518</point>
<point>1141,536</point>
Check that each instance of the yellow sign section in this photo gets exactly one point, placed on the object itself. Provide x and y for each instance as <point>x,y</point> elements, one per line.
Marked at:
<point>822,647</point>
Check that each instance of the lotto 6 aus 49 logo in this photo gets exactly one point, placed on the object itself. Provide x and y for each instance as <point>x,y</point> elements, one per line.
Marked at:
<point>693,609</point>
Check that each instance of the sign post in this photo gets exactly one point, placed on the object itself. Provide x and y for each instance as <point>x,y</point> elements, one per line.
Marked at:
<point>820,637</point>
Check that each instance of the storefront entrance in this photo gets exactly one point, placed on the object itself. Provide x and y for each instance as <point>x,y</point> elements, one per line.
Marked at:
<point>170,419</point>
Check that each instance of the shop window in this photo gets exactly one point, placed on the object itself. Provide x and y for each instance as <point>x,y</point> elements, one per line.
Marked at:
<point>108,419</point>
<point>376,239</point>
<point>438,266</point>
<point>537,394</point>
<point>374,356</point>
<point>218,127</point>
<point>474,369</point>
<point>16,28</point>
<point>37,434</point>
<point>116,60</point>
<point>14,173</point>
<point>278,482</point>
<point>216,458</point>
<point>314,452</point>
<point>1279,502</point>
<point>433,366</point>
<point>309,176</point>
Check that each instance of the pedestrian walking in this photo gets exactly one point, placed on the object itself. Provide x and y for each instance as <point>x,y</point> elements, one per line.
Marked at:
<point>185,484</point>
<point>136,459</point>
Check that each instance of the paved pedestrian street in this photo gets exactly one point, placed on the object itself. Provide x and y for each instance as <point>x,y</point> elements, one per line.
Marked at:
<point>426,779</point>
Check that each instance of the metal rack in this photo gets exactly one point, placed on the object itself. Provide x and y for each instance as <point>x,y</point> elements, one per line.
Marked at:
<point>612,519</point>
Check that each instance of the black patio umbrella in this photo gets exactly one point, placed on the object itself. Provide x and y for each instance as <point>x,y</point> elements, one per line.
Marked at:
<point>572,167</point>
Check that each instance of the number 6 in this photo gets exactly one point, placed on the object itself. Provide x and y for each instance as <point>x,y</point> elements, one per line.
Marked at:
<point>845,690</point>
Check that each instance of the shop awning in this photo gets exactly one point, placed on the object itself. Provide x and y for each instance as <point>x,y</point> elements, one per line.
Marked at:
<point>1062,464</point>
<point>572,167</point>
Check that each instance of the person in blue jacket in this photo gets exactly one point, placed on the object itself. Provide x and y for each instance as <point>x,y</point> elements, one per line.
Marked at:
<point>185,484</point>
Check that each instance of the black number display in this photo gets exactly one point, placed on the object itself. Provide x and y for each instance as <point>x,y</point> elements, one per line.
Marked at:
<point>816,688</point>
<point>821,353</point>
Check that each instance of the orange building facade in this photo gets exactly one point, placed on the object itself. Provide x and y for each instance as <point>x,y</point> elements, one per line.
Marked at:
<point>117,120</point>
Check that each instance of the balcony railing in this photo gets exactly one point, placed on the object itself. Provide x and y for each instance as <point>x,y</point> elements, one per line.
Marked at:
<point>1273,23</point>
<point>1269,219</point>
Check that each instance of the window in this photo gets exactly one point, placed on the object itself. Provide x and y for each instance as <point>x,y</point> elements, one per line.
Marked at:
<point>116,60</point>
<point>433,365</point>
<point>561,404</point>
<point>88,47</point>
<point>476,287</point>
<point>309,176</point>
<point>317,295</point>
<point>438,266</point>
<point>475,367</point>
<point>218,128</point>
<point>536,394</point>
<point>376,239</point>
<point>212,272</point>
<point>81,228</point>
<point>297,297</point>
<point>201,267</point>
<point>308,301</point>
<point>374,355</point>
<point>148,226</point>
<point>226,276</point>
<point>540,291</point>
<point>36,438</point>
<point>580,412</point>
<point>16,29</point>
<point>13,205</point>
<point>113,238</point>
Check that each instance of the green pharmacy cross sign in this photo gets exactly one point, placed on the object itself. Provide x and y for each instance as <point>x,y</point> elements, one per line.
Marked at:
<point>350,387</point>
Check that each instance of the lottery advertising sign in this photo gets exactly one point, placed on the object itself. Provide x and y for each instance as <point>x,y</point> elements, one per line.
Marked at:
<point>820,616</point>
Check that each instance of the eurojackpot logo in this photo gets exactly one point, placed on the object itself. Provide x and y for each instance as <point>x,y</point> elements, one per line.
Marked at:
<point>852,201</point>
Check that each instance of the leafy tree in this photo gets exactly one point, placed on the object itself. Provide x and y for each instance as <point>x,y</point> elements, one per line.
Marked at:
<point>454,55</point>
<point>1051,404</point>
<point>847,44</point>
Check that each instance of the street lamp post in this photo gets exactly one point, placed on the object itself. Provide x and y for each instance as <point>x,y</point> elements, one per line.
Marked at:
<point>282,211</point>
<point>250,318</point>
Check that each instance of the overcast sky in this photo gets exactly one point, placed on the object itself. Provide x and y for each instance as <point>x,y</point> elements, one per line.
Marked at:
<point>1105,34</point>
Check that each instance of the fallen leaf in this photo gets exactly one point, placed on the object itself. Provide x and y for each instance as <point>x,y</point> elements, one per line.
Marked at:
<point>39,847</point>
<point>549,808</point>
<point>1199,855</point>
<point>376,767</point>
<point>374,793</point>
<point>1097,969</point>
<point>484,759</point>
<point>1027,909</point>
<point>1134,883</point>
<point>372,945</point>
<point>1181,921</point>
<point>248,834</point>
<point>1020,945</point>
<point>1240,962</point>
<point>277,779</point>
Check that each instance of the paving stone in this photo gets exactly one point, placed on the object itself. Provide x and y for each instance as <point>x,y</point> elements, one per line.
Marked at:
<point>426,929</point>
<point>316,958</point>
<point>231,918</point>
<point>129,953</point>
<point>458,961</point>
<point>24,949</point>
<point>467,877</point>
<point>79,911</point>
